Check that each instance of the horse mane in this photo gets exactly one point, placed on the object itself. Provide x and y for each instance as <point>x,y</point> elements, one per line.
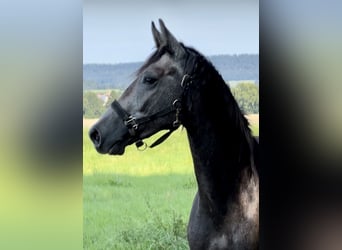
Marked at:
<point>207,74</point>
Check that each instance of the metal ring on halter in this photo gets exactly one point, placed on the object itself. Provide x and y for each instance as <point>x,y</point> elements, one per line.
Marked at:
<point>141,145</point>
<point>183,80</point>
<point>177,104</point>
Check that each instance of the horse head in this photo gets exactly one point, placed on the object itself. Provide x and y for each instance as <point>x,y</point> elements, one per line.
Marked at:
<point>151,101</point>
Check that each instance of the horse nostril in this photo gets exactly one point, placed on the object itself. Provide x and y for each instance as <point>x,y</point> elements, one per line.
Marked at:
<point>95,136</point>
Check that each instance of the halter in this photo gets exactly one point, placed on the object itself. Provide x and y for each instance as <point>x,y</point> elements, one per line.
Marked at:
<point>132,123</point>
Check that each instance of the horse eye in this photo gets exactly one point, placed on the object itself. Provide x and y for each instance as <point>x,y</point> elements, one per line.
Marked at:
<point>149,80</point>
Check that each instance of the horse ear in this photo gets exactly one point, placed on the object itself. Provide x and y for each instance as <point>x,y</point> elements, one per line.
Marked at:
<point>170,40</point>
<point>156,35</point>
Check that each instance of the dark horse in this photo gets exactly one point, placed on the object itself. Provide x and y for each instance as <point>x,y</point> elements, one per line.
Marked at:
<point>177,85</point>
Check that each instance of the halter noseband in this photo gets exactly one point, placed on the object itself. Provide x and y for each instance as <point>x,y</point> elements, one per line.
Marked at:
<point>132,123</point>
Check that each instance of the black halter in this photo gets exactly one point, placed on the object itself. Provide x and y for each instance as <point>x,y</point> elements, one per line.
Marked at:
<point>132,123</point>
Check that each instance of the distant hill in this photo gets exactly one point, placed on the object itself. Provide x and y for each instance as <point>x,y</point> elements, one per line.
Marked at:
<point>233,68</point>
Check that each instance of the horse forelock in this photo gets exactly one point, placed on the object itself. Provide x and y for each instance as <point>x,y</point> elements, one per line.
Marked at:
<point>154,57</point>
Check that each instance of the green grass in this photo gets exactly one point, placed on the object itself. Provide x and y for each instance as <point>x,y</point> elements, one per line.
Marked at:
<point>255,130</point>
<point>140,200</point>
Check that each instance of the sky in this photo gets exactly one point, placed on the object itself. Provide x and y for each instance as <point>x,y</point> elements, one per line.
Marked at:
<point>118,31</point>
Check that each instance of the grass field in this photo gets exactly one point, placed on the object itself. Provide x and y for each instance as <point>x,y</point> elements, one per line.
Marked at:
<point>140,200</point>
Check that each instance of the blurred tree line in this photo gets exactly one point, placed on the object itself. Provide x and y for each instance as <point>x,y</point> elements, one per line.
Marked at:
<point>247,96</point>
<point>95,103</point>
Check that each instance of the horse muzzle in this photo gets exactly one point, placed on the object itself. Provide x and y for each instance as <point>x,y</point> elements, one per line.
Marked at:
<point>113,143</point>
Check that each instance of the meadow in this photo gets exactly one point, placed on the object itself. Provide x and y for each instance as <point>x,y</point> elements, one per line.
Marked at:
<point>141,200</point>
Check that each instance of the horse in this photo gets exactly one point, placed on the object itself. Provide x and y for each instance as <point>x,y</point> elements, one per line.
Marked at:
<point>177,86</point>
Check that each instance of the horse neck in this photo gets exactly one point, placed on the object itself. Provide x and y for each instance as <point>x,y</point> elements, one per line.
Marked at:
<point>219,138</point>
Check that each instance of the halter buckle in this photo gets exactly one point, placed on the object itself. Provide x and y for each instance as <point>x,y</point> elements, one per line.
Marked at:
<point>131,121</point>
<point>184,82</point>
